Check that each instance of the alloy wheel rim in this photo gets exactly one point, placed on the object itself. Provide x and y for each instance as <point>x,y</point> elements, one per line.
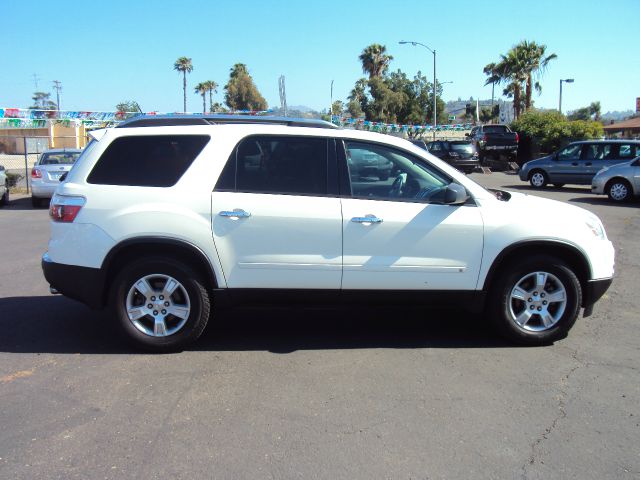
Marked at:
<point>619,191</point>
<point>158,305</point>
<point>537,179</point>
<point>537,302</point>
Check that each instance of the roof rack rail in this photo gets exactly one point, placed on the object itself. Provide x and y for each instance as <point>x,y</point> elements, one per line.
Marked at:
<point>217,119</point>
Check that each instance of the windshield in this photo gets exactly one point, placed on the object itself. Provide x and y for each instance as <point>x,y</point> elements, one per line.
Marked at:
<point>59,158</point>
<point>462,147</point>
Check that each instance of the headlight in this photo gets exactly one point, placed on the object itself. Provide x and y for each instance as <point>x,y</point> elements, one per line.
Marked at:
<point>595,226</point>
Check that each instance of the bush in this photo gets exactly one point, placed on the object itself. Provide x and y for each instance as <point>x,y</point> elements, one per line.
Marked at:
<point>551,130</point>
<point>13,179</point>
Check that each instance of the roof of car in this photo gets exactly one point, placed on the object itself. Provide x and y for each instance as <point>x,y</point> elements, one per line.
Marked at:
<point>63,150</point>
<point>616,140</point>
<point>217,119</point>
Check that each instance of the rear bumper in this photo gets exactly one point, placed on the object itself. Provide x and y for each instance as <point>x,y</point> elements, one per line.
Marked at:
<point>80,283</point>
<point>43,190</point>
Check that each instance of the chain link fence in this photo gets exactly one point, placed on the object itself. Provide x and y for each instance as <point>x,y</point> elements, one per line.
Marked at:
<point>19,153</point>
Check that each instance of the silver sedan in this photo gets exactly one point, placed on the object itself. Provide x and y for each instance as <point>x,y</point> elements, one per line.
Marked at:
<point>620,182</point>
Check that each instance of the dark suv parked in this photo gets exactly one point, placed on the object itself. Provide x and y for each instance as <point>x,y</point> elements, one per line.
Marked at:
<point>460,154</point>
<point>578,162</point>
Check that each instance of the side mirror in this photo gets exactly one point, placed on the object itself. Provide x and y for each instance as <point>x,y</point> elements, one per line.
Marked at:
<point>455,194</point>
<point>452,194</point>
<point>1,168</point>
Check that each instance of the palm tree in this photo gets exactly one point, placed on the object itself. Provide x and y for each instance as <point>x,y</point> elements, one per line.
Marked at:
<point>534,62</point>
<point>509,70</point>
<point>184,65</point>
<point>375,60</point>
<point>202,89</point>
<point>212,87</point>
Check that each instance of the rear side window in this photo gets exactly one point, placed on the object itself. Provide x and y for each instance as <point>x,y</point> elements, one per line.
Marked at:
<point>147,161</point>
<point>272,164</point>
<point>627,151</point>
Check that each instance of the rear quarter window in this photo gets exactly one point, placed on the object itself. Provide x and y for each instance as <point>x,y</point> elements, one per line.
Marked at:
<point>147,161</point>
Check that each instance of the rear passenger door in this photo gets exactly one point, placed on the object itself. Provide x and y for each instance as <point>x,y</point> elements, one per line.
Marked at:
<point>594,158</point>
<point>276,215</point>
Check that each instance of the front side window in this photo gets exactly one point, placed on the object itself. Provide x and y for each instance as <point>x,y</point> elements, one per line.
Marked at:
<point>572,152</point>
<point>277,164</point>
<point>147,160</point>
<point>378,172</point>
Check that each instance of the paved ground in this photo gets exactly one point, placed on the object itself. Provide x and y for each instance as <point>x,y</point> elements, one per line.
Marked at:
<point>295,393</point>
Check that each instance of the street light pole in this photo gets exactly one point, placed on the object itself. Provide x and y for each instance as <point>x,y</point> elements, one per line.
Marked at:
<point>567,80</point>
<point>435,82</point>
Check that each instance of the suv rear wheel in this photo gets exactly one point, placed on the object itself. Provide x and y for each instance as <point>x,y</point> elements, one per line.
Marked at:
<point>5,198</point>
<point>536,301</point>
<point>161,304</point>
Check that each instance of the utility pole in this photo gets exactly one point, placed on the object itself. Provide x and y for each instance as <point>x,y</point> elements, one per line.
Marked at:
<point>35,80</point>
<point>283,95</point>
<point>57,85</point>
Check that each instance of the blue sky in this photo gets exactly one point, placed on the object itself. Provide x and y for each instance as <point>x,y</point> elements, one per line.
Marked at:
<point>105,52</point>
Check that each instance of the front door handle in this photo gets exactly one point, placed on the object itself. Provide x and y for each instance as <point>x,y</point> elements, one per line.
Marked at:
<point>575,164</point>
<point>367,219</point>
<point>236,213</point>
<point>588,164</point>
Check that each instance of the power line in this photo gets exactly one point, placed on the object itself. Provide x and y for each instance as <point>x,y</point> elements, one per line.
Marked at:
<point>57,85</point>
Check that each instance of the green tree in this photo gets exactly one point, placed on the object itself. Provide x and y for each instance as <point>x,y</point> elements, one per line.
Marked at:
<point>201,89</point>
<point>241,93</point>
<point>212,87</point>
<point>551,130</point>
<point>128,106</point>
<point>534,61</point>
<point>354,109</point>
<point>337,108</point>
<point>375,61</point>
<point>184,65</point>
<point>592,112</point>
<point>42,101</point>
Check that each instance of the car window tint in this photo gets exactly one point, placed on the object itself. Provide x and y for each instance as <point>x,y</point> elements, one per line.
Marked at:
<point>435,147</point>
<point>62,158</point>
<point>572,152</point>
<point>495,129</point>
<point>626,151</point>
<point>377,172</point>
<point>147,161</point>
<point>594,151</point>
<point>283,165</point>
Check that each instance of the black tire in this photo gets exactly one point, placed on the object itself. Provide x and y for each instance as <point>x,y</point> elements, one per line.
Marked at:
<point>5,198</point>
<point>558,185</point>
<point>35,202</point>
<point>619,190</point>
<point>503,308</point>
<point>538,179</point>
<point>190,282</point>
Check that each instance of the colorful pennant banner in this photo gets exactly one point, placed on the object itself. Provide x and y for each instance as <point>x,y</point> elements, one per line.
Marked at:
<point>361,124</point>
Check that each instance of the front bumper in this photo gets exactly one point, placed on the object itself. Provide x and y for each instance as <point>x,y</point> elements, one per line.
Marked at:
<point>594,290</point>
<point>80,283</point>
<point>597,185</point>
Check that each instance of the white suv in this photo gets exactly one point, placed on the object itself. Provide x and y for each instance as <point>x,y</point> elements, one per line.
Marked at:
<point>163,217</point>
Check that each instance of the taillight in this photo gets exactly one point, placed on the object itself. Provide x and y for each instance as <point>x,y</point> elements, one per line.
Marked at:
<point>36,173</point>
<point>517,137</point>
<point>64,208</point>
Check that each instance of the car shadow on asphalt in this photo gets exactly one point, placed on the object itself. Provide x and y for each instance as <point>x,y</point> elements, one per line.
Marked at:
<point>55,324</point>
<point>23,203</point>
<point>526,188</point>
<point>604,201</point>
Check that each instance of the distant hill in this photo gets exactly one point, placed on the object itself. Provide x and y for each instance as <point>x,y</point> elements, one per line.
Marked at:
<point>617,115</point>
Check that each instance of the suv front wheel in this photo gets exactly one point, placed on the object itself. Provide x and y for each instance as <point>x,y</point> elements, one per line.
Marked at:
<point>161,304</point>
<point>536,301</point>
<point>538,179</point>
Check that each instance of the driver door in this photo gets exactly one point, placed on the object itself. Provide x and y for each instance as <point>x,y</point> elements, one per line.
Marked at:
<point>395,240</point>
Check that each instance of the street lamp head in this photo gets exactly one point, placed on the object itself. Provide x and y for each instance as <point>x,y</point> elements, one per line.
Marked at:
<point>568,80</point>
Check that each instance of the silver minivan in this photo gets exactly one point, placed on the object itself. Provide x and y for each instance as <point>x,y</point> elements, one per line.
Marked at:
<point>578,162</point>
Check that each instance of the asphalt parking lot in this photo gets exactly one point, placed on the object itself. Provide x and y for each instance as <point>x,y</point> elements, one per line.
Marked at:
<point>317,393</point>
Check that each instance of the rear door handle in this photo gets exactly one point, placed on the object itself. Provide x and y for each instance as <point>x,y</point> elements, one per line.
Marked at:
<point>367,219</point>
<point>236,213</point>
<point>588,164</point>
<point>575,164</point>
